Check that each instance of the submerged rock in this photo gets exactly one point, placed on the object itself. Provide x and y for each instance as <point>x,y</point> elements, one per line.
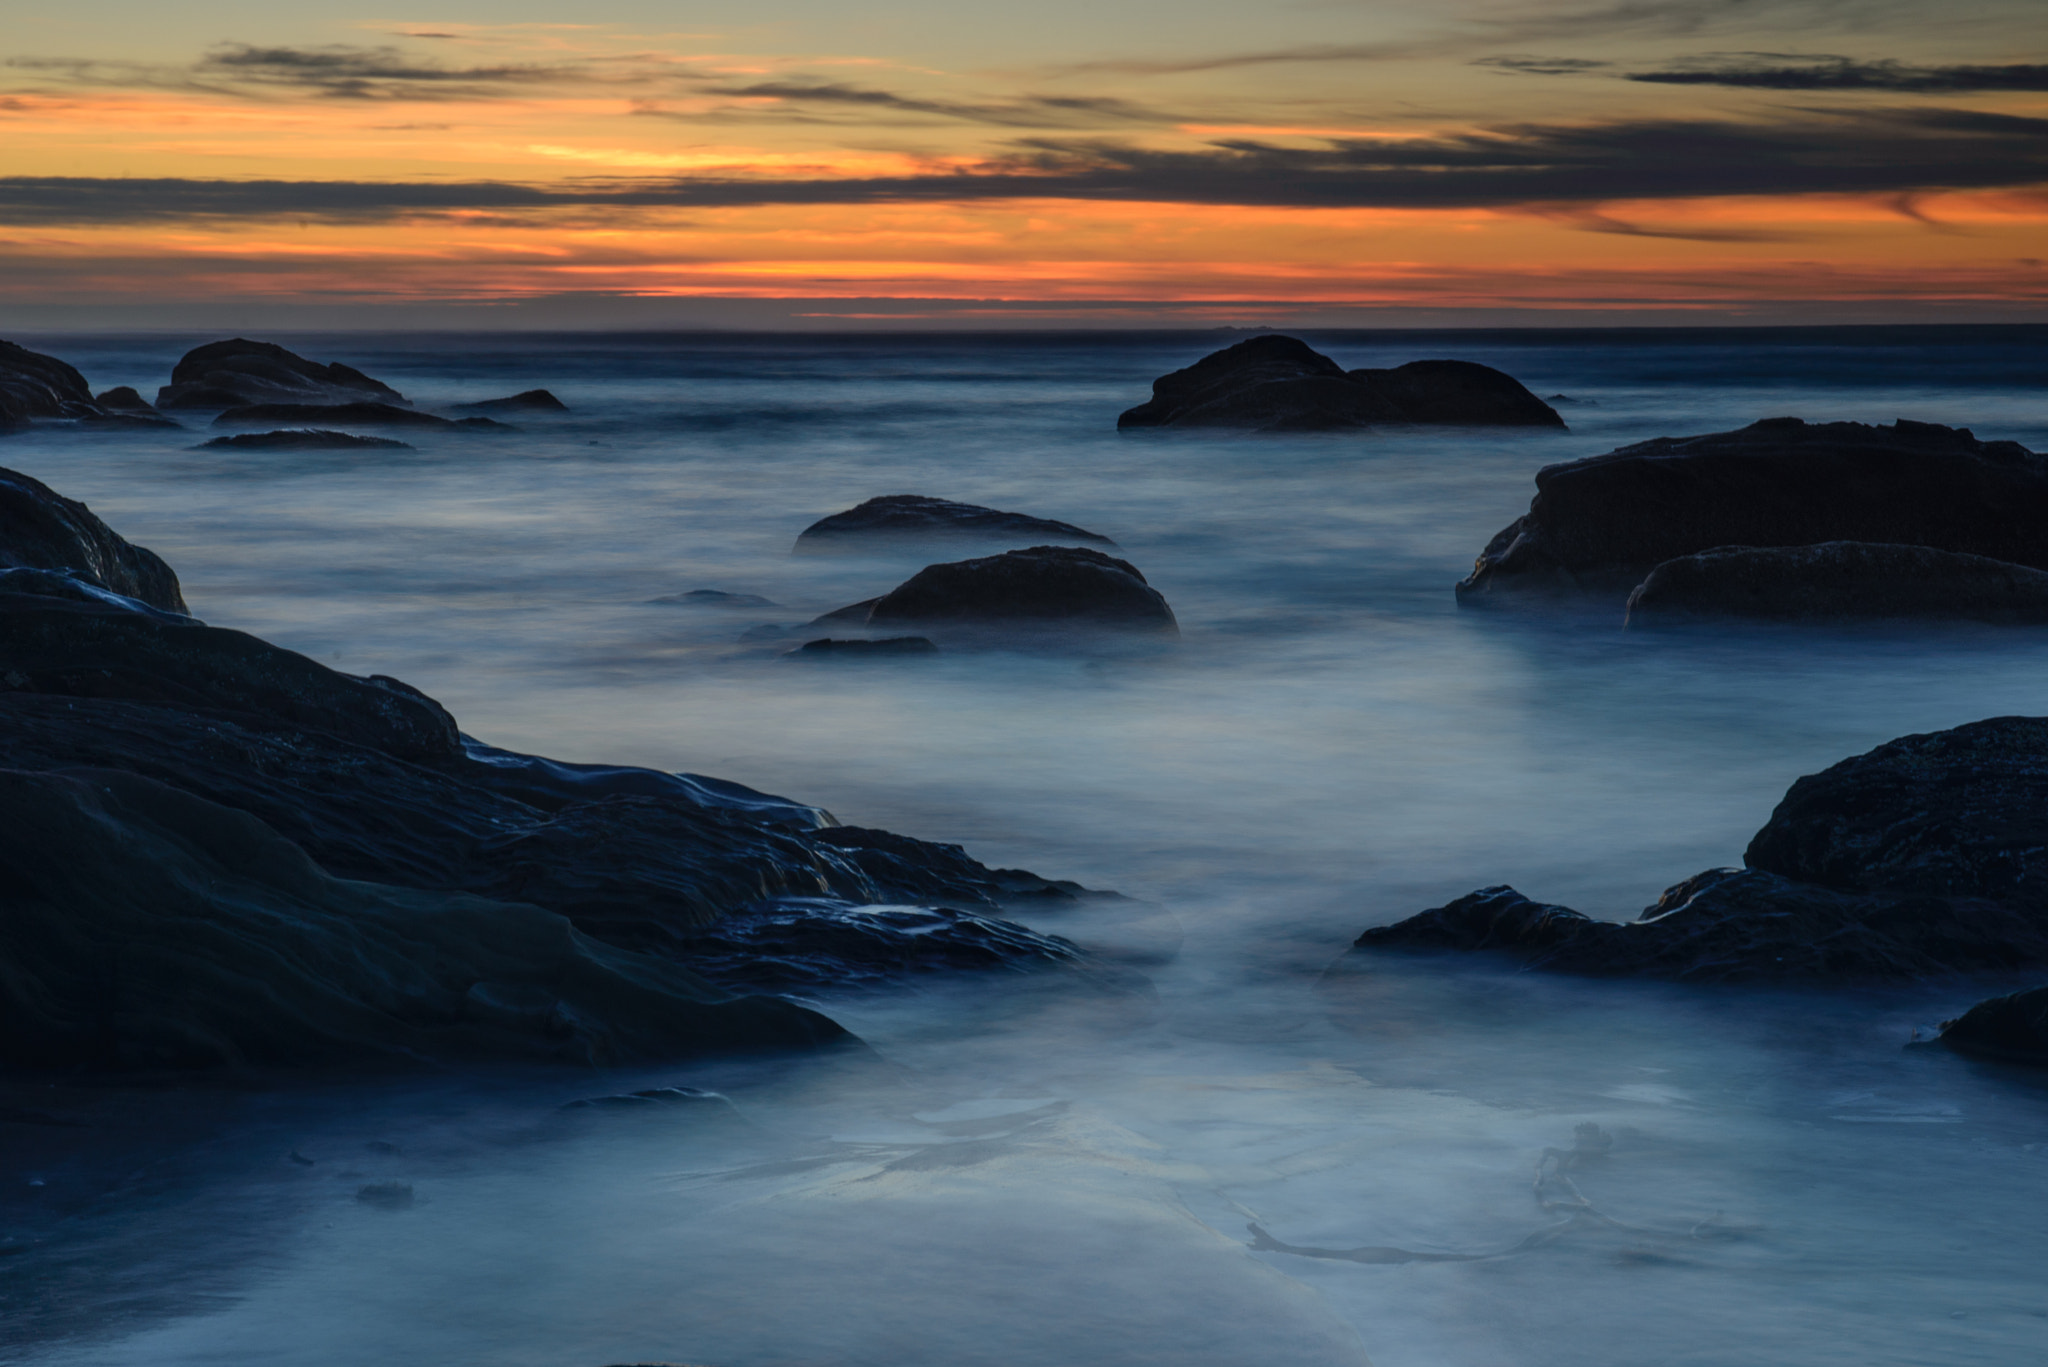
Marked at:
<point>829,649</point>
<point>123,399</point>
<point>33,385</point>
<point>1276,383</point>
<point>1057,587</point>
<point>355,414</point>
<point>915,517</point>
<point>238,372</point>
<point>304,439</point>
<point>1600,525</point>
<point>2012,1028</point>
<point>714,598</point>
<point>1927,855</point>
<point>1840,580</point>
<point>41,529</point>
<point>531,401</point>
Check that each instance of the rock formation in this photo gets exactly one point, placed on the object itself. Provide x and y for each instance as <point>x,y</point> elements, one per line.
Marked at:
<point>41,529</point>
<point>123,399</point>
<point>354,414</point>
<point>238,372</point>
<point>531,401</point>
<point>1281,384</point>
<point>917,518</point>
<point>304,439</point>
<point>1059,588</point>
<point>1840,580</point>
<point>33,385</point>
<point>826,648</point>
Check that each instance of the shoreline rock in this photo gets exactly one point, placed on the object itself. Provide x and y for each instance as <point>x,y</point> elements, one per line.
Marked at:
<point>1041,588</point>
<point>918,518</point>
<point>303,439</point>
<point>1840,580</point>
<point>239,372</point>
<point>42,529</point>
<point>529,401</point>
<point>355,414</point>
<point>33,385</point>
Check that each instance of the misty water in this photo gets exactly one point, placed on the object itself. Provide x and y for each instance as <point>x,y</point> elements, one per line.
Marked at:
<point>1039,1172</point>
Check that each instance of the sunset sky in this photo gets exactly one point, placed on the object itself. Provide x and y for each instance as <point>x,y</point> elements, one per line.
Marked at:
<point>1136,162</point>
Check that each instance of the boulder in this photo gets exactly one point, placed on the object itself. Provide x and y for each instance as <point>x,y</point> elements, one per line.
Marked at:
<point>33,385</point>
<point>41,529</point>
<point>1275,383</point>
<point>1840,580</point>
<point>303,439</point>
<point>916,518</point>
<point>828,649</point>
<point>2011,1029</point>
<point>1043,587</point>
<point>714,598</point>
<point>531,401</point>
<point>1927,855</point>
<point>237,372</point>
<point>123,399</point>
<point>355,414</point>
<point>1598,526</point>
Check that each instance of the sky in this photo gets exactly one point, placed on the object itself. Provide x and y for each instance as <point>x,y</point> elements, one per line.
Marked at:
<point>1061,162</point>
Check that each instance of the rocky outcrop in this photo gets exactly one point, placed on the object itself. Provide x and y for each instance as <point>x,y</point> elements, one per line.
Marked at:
<point>1060,588</point>
<point>1599,526</point>
<point>1837,581</point>
<point>353,414</point>
<point>825,648</point>
<point>916,518</point>
<point>239,372</point>
<point>41,529</point>
<point>1927,855</point>
<point>1281,384</point>
<point>33,385</point>
<point>303,439</point>
<point>531,401</point>
<point>2010,1029</point>
<point>123,399</point>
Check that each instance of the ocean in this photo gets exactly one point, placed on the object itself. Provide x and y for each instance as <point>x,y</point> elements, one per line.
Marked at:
<point>1022,1174</point>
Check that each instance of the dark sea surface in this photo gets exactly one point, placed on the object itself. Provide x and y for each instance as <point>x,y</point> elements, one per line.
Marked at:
<point>1023,1175</point>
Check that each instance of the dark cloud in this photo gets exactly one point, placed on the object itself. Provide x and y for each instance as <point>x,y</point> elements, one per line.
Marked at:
<point>359,72</point>
<point>1794,71</point>
<point>1029,111</point>
<point>1543,66</point>
<point>1889,152</point>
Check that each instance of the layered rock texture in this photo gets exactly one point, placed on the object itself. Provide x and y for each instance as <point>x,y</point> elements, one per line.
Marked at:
<point>1838,581</point>
<point>916,518</point>
<point>238,372</point>
<point>33,385</point>
<point>1281,384</point>
<point>1928,855</point>
<point>1041,588</point>
<point>354,414</point>
<point>40,529</point>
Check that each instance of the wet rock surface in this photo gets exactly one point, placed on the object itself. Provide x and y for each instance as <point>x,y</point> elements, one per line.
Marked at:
<point>304,439</point>
<point>33,385</point>
<point>1275,383</point>
<point>1925,856</point>
<point>1042,587</point>
<point>238,372</point>
<point>41,529</point>
<point>2010,1029</point>
<point>1599,526</point>
<point>1840,580</point>
<point>529,401</point>
<point>915,517</point>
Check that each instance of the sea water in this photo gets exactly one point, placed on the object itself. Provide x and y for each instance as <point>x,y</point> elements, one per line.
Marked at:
<point>1017,1174</point>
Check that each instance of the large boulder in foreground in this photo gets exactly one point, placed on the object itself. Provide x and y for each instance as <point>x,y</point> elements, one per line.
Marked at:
<point>42,529</point>
<point>915,518</point>
<point>1058,588</point>
<point>239,371</point>
<point>1840,581</point>
<point>1927,855</point>
<point>2010,1029</point>
<point>1598,526</point>
<point>33,385</point>
<point>1275,383</point>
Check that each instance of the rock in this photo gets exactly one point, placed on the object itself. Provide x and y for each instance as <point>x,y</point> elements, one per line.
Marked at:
<point>41,529</point>
<point>357,414</point>
<point>33,385</point>
<point>1276,383</point>
<point>123,399</point>
<point>916,518</point>
<point>1838,580</point>
<point>304,439</point>
<point>237,372</point>
<point>828,649</point>
<point>714,598</point>
<point>1599,526</point>
<point>532,401</point>
<point>1058,587</point>
<point>2011,1029</point>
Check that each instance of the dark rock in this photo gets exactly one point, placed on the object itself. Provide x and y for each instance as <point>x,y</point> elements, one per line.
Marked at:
<point>236,372</point>
<point>2012,1029</point>
<point>33,385</point>
<point>123,399</point>
<point>354,414</point>
<point>1600,525</point>
<point>828,649</point>
<point>41,529</point>
<point>304,439</point>
<point>71,585</point>
<point>1061,587</point>
<point>914,517</point>
<point>1840,580</point>
<point>1280,384</point>
<point>920,870</point>
<point>714,598</point>
<point>532,401</point>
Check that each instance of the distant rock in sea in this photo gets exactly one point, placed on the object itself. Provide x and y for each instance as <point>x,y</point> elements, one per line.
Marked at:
<point>240,372</point>
<point>304,439</point>
<point>123,399</point>
<point>1042,588</point>
<point>1597,527</point>
<point>1840,581</point>
<point>33,385</point>
<point>353,414</point>
<point>1925,856</point>
<point>897,518</point>
<point>531,401</point>
<point>1276,383</point>
<point>714,598</point>
<point>826,648</point>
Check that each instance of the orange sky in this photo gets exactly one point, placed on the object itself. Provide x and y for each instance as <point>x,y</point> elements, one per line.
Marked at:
<point>1646,156</point>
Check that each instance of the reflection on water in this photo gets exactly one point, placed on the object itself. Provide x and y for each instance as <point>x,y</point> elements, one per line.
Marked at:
<point>1026,1176</point>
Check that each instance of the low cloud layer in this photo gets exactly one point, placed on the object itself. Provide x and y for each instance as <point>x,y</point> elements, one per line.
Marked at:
<point>1778,71</point>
